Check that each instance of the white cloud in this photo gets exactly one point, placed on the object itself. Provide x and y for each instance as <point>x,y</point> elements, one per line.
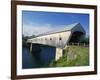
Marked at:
<point>32,28</point>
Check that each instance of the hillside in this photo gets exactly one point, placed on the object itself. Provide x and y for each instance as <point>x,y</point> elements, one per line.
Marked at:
<point>73,56</point>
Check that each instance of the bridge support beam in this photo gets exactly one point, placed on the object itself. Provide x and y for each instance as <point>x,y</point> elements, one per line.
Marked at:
<point>59,53</point>
<point>31,47</point>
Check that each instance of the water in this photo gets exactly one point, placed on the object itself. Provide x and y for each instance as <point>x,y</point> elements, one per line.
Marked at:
<point>37,59</point>
<point>28,60</point>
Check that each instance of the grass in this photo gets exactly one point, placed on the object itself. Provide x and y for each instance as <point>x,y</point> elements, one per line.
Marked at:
<point>73,56</point>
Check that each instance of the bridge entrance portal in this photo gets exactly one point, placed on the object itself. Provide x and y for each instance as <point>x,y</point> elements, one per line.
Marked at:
<point>76,37</point>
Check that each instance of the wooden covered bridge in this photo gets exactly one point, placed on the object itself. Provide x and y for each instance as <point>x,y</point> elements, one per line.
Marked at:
<point>60,38</point>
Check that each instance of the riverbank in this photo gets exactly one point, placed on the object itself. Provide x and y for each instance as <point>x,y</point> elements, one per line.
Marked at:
<point>73,56</point>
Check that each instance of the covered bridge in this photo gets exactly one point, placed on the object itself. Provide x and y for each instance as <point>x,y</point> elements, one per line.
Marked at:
<point>61,37</point>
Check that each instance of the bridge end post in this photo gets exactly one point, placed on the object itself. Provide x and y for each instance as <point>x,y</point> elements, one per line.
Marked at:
<point>59,53</point>
<point>31,47</point>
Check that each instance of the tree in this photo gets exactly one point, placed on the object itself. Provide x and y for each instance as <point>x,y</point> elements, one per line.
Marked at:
<point>24,39</point>
<point>85,40</point>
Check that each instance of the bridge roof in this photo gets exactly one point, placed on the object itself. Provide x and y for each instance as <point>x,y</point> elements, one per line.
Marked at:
<point>65,28</point>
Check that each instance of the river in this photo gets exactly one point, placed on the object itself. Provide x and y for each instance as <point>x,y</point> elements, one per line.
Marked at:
<point>37,59</point>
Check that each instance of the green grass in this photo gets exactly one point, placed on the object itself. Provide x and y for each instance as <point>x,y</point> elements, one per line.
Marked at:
<point>81,57</point>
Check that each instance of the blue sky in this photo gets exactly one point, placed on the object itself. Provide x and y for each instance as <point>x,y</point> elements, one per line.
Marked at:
<point>36,22</point>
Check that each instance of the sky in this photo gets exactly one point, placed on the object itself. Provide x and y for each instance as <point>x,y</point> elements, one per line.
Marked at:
<point>37,22</point>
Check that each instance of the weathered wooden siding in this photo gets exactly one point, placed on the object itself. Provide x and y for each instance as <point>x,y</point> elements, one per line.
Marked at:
<point>57,39</point>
